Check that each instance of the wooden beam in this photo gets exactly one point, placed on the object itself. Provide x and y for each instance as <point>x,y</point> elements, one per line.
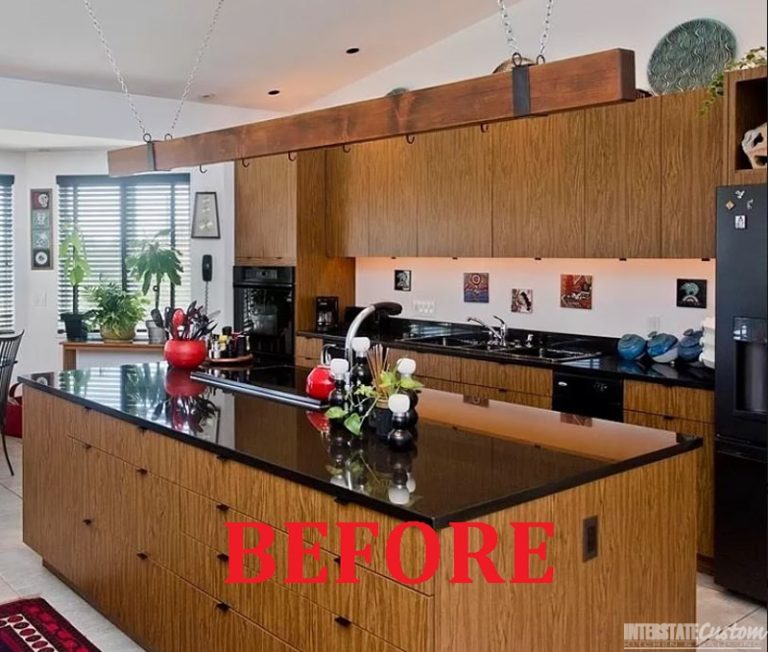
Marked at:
<point>590,80</point>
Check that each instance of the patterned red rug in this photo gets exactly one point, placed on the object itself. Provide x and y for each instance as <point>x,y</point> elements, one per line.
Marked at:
<point>35,626</point>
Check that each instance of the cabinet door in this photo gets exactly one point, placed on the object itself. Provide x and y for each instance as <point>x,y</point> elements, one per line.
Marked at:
<point>622,199</point>
<point>451,188</point>
<point>691,150</point>
<point>538,187</point>
<point>265,209</point>
<point>350,188</point>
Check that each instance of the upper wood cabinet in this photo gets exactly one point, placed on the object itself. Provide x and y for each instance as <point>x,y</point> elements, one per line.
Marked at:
<point>450,190</point>
<point>265,211</point>
<point>538,187</point>
<point>691,161</point>
<point>369,200</point>
<point>622,202</point>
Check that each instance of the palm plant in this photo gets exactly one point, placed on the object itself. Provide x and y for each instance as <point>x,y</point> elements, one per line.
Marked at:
<point>75,263</point>
<point>153,263</point>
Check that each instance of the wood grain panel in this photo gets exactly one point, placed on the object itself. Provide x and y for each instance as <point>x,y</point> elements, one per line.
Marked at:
<point>705,470</point>
<point>349,178</point>
<point>691,150</point>
<point>589,80</point>
<point>509,377</point>
<point>265,209</point>
<point>538,187</point>
<point>430,365</point>
<point>622,202</point>
<point>587,604</point>
<point>680,402</point>
<point>309,348</point>
<point>450,179</point>
<point>332,636</point>
<point>316,273</point>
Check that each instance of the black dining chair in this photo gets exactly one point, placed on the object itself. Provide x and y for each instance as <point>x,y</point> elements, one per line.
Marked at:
<point>9,348</point>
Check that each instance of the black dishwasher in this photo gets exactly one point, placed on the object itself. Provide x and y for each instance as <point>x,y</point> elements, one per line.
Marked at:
<point>588,395</point>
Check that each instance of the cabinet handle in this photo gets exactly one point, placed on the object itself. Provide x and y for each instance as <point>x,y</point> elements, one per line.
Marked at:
<point>87,521</point>
<point>142,431</point>
<point>142,555</point>
<point>222,606</point>
<point>221,458</point>
<point>344,622</point>
<point>141,471</point>
<point>668,417</point>
<point>341,501</point>
<point>222,556</point>
<point>86,446</point>
<point>222,507</point>
<point>337,560</point>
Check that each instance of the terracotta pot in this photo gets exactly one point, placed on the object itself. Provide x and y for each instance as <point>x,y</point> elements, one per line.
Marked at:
<point>185,354</point>
<point>320,383</point>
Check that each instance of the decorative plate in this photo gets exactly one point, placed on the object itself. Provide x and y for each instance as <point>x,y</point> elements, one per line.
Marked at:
<point>690,55</point>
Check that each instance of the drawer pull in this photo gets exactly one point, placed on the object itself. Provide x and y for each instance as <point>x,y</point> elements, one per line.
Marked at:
<point>341,501</point>
<point>221,458</point>
<point>222,507</point>
<point>667,417</point>
<point>337,560</point>
<point>141,471</point>
<point>142,555</point>
<point>344,622</point>
<point>86,446</point>
<point>142,431</point>
<point>222,556</point>
<point>87,521</point>
<point>222,606</point>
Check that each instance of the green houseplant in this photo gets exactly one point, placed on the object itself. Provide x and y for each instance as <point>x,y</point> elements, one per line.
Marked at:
<point>116,312</point>
<point>753,58</point>
<point>76,270</point>
<point>151,265</point>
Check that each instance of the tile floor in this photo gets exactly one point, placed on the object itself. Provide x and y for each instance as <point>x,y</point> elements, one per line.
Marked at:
<point>21,575</point>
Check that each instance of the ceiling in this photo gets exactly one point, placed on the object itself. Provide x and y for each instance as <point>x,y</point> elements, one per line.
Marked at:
<point>23,141</point>
<point>297,47</point>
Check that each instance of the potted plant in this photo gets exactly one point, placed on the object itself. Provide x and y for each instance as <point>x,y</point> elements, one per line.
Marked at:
<point>76,269</point>
<point>151,265</point>
<point>117,312</point>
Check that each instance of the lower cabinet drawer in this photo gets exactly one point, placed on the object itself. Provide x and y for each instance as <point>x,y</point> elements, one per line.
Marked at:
<point>666,422</point>
<point>336,635</point>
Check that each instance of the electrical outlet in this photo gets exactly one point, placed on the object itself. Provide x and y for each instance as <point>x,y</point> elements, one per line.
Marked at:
<point>429,307</point>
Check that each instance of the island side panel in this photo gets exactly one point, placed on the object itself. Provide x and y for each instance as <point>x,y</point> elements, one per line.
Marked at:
<point>645,571</point>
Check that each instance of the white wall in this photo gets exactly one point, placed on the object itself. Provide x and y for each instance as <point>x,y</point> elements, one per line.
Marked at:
<point>625,293</point>
<point>578,27</point>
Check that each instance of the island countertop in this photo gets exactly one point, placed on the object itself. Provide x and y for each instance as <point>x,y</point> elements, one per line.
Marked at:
<point>470,459</point>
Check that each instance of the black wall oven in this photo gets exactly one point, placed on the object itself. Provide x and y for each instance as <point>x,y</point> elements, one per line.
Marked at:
<point>264,296</point>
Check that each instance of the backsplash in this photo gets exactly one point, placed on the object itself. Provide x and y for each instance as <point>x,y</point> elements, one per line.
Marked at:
<point>627,296</point>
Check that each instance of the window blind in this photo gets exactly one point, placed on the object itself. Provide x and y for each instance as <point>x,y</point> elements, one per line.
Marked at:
<point>6,253</point>
<point>114,216</point>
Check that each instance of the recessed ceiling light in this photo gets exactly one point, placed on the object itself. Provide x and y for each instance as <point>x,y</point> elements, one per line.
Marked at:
<point>274,91</point>
<point>353,50</point>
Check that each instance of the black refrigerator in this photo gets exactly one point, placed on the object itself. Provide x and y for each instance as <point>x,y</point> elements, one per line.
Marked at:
<point>741,388</point>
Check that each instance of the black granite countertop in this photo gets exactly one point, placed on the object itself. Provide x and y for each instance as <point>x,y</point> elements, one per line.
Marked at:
<point>405,334</point>
<point>512,455</point>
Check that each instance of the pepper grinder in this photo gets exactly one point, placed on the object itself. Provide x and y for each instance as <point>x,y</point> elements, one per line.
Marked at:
<point>400,436</point>
<point>406,367</point>
<point>339,369</point>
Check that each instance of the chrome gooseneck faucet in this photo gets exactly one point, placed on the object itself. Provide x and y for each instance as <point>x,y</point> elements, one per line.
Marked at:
<point>498,334</point>
<point>387,307</point>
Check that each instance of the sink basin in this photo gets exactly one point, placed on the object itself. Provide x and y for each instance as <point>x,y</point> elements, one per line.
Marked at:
<point>451,341</point>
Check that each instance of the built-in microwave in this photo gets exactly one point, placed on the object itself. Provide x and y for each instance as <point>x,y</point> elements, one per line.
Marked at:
<point>264,296</point>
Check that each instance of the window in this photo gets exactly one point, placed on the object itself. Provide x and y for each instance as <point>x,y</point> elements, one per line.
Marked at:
<point>113,217</point>
<point>6,253</point>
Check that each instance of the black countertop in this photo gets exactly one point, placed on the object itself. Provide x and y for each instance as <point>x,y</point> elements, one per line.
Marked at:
<point>469,460</point>
<point>404,334</point>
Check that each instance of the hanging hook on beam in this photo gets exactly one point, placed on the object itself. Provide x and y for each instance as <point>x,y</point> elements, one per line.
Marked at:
<point>410,138</point>
<point>484,128</point>
<point>243,163</point>
<point>291,156</point>
<point>202,169</point>
<point>346,148</point>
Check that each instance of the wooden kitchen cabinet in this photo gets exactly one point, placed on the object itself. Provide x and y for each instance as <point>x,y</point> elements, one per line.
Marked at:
<point>622,202</point>
<point>538,187</point>
<point>451,192</point>
<point>265,211</point>
<point>691,162</point>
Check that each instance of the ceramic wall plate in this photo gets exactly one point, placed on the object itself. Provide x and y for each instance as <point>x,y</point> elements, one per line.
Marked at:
<point>690,55</point>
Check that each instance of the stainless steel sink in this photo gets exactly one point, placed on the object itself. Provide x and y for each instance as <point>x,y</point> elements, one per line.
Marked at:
<point>450,341</point>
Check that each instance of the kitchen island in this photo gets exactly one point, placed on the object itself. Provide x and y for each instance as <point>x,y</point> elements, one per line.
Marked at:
<point>131,474</point>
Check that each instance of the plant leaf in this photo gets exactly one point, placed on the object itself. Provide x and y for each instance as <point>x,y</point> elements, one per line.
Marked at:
<point>335,413</point>
<point>410,383</point>
<point>354,423</point>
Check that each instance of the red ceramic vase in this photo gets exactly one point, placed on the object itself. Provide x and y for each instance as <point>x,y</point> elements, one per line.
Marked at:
<point>185,354</point>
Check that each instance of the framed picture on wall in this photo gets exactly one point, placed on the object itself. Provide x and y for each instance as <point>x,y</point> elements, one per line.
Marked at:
<point>205,218</point>
<point>41,228</point>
